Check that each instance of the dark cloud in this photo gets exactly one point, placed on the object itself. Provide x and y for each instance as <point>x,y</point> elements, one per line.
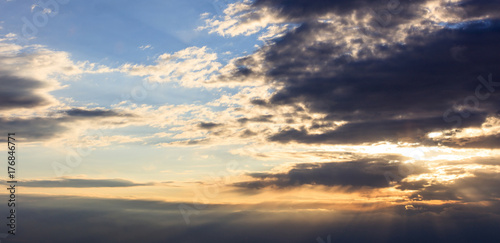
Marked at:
<point>19,92</point>
<point>303,10</point>
<point>92,113</point>
<point>383,13</point>
<point>34,129</point>
<point>78,183</point>
<point>415,80</point>
<point>260,102</point>
<point>351,175</point>
<point>262,118</point>
<point>389,90</point>
<point>388,80</point>
<point>209,125</point>
<point>480,8</point>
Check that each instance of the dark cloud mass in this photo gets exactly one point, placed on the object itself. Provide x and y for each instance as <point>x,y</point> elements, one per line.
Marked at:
<point>480,8</point>
<point>418,79</point>
<point>19,92</point>
<point>433,79</point>
<point>401,10</point>
<point>91,113</point>
<point>301,10</point>
<point>351,175</point>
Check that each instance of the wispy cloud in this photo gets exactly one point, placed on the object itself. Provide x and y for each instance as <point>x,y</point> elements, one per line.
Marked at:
<point>144,47</point>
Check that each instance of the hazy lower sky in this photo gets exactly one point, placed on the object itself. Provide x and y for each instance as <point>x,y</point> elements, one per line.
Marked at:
<point>252,121</point>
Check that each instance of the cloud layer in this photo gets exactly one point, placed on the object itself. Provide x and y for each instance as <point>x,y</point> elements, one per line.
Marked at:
<point>104,220</point>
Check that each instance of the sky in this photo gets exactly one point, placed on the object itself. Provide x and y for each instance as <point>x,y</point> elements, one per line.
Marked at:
<point>251,121</point>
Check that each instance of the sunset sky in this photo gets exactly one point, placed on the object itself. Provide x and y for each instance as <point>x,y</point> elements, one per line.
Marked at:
<point>252,121</point>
